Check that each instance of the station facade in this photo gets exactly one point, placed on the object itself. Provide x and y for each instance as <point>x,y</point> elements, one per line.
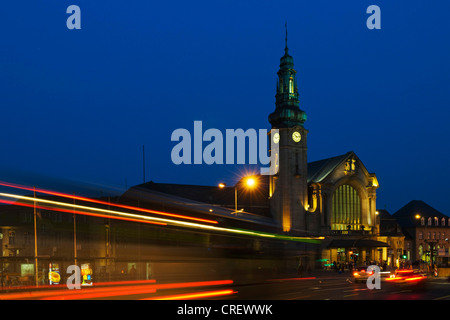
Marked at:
<point>334,197</point>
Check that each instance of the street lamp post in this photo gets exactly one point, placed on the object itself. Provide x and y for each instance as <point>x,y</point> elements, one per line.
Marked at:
<point>74,234</point>
<point>223,185</point>
<point>417,217</point>
<point>250,182</point>
<point>235,200</point>
<point>36,275</point>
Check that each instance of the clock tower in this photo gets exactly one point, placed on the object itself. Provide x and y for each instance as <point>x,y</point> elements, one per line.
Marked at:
<point>288,186</point>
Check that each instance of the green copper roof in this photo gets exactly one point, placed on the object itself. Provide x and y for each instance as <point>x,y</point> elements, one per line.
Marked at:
<point>287,117</point>
<point>287,111</point>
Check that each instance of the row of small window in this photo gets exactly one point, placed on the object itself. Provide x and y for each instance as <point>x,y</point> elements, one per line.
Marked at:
<point>398,243</point>
<point>434,235</point>
<point>423,248</point>
<point>436,221</point>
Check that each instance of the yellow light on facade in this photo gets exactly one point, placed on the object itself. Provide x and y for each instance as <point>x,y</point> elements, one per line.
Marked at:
<point>417,216</point>
<point>222,185</point>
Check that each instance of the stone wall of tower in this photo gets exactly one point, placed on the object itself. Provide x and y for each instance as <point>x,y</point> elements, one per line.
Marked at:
<point>290,191</point>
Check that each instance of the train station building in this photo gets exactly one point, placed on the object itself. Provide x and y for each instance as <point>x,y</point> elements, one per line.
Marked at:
<point>334,198</point>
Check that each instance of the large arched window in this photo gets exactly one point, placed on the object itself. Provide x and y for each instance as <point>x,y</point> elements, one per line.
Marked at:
<point>346,208</point>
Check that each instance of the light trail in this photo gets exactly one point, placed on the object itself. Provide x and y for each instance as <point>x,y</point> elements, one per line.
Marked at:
<point>103,291</point>
<point>122,215</point>
<point>415,278</point>
<point>64,286</point>
<point>194,295</point>
<point>148,219</point>
<point>65,195</point>
<point>82,213</point>
<point>114,213</point>
<point>291,279</point>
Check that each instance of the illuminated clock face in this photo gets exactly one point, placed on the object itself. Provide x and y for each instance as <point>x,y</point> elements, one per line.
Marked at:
<point>276,137</point>
<point>296,136</point>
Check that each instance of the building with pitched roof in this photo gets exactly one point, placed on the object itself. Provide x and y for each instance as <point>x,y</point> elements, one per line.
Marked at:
<point>333,198</point>
<point>391,233</point>
<point>427,232</point>
<point>341,198</point>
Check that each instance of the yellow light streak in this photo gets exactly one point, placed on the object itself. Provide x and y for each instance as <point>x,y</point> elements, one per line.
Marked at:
<point>168,221</point>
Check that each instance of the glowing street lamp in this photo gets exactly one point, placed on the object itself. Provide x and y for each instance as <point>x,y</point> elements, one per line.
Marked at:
<point>249,182</point>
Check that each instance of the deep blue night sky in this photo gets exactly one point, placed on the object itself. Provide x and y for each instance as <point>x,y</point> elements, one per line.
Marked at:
<point>78,105</point>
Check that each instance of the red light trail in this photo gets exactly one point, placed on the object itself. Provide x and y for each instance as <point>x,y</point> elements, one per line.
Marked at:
<point>112,289</point>
<point>73,197</point>
<point>81,212</point>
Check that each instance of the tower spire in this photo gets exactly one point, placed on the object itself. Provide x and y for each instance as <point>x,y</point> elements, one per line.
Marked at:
<point>287,112</point>
<point>286,47</point>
